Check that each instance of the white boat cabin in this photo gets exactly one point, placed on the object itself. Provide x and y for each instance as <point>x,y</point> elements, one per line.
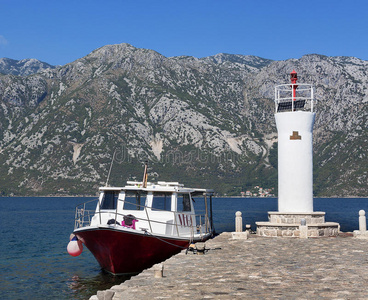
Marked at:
<point>165,208</point>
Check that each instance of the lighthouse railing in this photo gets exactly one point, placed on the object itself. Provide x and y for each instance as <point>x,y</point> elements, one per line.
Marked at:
<point>286,100</point>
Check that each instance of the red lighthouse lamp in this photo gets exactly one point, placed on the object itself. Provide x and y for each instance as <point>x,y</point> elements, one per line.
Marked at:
<point>294,78</point>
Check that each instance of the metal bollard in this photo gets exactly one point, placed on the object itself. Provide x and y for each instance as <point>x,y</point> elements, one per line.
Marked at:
<point>362,221</point>
<point>238,222</point>
<point>201,248</point>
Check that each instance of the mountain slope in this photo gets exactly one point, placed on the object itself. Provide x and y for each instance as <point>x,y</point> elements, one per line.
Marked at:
<point>206,122</point>
<point>22,67</point>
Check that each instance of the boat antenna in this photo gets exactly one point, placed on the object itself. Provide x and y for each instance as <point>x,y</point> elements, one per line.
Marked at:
<point>145,175</point>
<point>112,162</point>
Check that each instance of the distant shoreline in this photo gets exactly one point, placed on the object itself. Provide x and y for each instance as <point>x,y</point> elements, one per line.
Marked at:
<point>348,197</point>
<point>94,196</point>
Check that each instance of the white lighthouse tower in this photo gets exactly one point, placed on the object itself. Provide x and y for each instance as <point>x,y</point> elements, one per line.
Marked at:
<point>294,120</point>
<point>294,115</point>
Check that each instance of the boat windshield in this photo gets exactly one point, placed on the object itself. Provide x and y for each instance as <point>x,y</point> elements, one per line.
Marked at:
<point>161,201</point>
<point>184,202</point>
<point>134,200</point>
<point>109,200</point>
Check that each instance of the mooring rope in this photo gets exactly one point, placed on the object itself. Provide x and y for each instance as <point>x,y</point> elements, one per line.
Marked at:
<point>165,241</point>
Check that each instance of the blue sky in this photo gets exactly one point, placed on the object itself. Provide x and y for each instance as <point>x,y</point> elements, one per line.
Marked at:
<point>59,32</point>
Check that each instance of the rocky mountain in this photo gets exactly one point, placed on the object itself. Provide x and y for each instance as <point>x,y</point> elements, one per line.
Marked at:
<point>205,122</point>
<point>22,67</point>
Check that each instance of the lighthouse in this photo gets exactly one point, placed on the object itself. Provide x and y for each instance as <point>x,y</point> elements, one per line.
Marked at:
<point>294,116</point>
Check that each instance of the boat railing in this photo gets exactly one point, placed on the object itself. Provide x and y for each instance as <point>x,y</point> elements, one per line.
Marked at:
<point>84,214</point>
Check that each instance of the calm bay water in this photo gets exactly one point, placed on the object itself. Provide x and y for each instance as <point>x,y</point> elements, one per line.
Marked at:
<point>34,233</point>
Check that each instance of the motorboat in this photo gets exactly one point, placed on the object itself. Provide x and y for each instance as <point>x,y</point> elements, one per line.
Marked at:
<point>133,227</point>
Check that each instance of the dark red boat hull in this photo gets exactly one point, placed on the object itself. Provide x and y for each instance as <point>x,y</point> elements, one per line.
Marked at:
<point>121,252</point>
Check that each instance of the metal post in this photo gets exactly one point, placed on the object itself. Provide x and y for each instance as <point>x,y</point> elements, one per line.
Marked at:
<point>206,207</point>
<point>211,213</point>
<point>312,100</point>
<point>276,99</point>
<point>149,222</point>
<point>99,208</point>
<point>176,223</point>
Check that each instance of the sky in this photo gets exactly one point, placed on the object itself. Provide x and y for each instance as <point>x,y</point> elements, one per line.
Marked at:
<point>61,31</point>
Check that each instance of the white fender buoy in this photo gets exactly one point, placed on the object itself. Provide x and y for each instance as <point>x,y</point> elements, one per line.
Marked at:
<point>75,247</point>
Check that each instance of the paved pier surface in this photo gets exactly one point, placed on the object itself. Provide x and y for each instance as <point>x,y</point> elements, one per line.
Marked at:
<point>258,268</point>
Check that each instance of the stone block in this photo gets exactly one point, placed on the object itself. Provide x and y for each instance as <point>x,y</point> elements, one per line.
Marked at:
<point>239,235</point>
<point>303,232</point>
<point>270,232</point>
<point>286,229</point>
<point>360,235</point>
<point>158,270</point>
<point>119,287</point>
<point>118,296</point>
<point>288,233</point>
<point>109,295</point>
<point>313,233</point>
<point>266,232</point>
<point>105,295</point>
<point>101,295</point>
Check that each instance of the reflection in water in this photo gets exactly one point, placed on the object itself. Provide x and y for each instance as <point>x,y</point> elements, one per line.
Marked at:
<point>83,288</point>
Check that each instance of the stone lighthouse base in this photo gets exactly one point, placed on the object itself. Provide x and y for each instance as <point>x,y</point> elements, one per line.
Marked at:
<point>282,224</point>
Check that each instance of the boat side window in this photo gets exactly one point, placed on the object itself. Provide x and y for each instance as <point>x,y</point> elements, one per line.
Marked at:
<point>183,202</point>
<point>134,200</point>
<point>161,201</point>
<point>109,200</point>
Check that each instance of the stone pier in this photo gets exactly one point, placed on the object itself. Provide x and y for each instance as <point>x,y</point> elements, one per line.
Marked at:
<point>257,268</point>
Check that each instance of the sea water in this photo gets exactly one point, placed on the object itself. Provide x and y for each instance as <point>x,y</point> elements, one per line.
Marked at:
<point>34,233</point>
